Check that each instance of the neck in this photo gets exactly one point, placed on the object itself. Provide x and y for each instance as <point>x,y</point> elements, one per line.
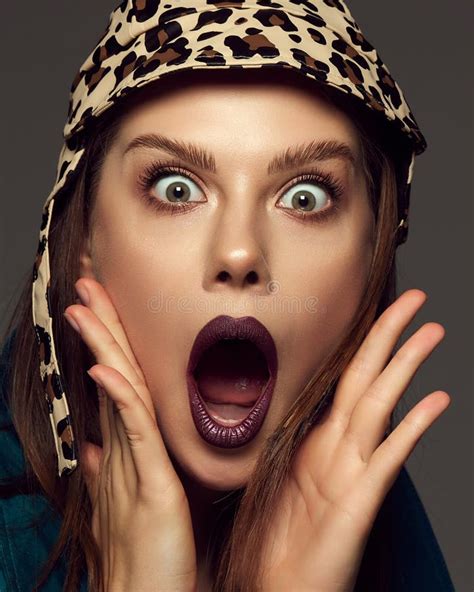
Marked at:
<point>205,506</point>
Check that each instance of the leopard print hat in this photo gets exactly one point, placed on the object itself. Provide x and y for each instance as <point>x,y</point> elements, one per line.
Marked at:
<point>146,39</point>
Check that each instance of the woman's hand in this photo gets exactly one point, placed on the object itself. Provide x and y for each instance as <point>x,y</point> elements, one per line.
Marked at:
<point>344,469</point>
<point>141,519</point>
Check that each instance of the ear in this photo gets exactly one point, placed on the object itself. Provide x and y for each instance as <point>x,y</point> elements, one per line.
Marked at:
<point>85,260</point>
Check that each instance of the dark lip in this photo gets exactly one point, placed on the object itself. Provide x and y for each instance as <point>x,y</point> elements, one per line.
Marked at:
<point>223,327</point>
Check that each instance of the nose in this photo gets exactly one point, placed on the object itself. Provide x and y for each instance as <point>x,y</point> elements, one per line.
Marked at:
<point>237,255</point>
<point>239,270</point>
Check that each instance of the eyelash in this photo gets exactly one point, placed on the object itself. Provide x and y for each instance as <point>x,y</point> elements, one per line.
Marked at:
<point>157,170</point>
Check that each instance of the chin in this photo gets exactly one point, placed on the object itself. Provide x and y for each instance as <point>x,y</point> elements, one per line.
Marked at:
<point>212,470</point>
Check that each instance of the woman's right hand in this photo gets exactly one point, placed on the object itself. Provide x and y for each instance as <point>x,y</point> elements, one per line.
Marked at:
<point>141,519</point>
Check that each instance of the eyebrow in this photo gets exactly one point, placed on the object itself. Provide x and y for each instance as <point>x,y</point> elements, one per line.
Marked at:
<point>289,158</point>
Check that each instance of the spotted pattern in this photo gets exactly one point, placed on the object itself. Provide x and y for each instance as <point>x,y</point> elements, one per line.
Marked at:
<point>146,39</point>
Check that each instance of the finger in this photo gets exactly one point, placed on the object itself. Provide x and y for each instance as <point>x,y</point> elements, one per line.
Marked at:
<point>96,298</point>
<point>123,475</point>
<point>90,462</point>
<point>393,452</point>
<point>118,453</point>
<point>91,456</point>
<point>152,463</point>
<point>371,414</point>
<point>99,473</point>
<point>373,354</point>
<point>108,494</point>
<point>106,349</point>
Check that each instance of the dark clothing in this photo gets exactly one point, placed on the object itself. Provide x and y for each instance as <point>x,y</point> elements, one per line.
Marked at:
<point>418,560</point>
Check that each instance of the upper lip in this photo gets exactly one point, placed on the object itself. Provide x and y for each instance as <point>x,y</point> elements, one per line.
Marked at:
<point>223,327</point>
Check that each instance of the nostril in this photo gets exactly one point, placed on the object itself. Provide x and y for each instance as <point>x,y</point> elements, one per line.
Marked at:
<point>252,277</point>
<point>222,276</point>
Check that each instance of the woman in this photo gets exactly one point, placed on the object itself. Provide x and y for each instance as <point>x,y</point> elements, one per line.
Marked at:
<point>252,449</point>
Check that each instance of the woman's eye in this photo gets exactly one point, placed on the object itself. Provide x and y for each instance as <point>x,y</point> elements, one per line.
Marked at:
<point>306,197</point>
<point>176,188</point>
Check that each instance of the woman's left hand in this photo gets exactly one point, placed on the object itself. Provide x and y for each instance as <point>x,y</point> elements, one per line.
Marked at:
<point>344,468</point>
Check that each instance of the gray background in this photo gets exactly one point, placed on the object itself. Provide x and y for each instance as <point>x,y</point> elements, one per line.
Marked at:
<point>425,45</point>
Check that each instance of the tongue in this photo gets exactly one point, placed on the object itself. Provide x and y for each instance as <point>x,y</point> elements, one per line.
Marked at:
<point>232,372</point>
<point>241,390</point>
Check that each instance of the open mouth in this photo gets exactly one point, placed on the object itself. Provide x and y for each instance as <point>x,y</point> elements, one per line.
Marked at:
<point>230,377</point>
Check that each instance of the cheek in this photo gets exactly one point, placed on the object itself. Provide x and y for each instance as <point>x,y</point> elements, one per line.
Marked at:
<point>341,288</point>
<point>330,293</point>
<point>130,263</point>
<point>149,284</point>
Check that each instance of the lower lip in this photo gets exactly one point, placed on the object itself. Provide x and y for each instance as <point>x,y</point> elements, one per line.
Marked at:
<point>228,436</point>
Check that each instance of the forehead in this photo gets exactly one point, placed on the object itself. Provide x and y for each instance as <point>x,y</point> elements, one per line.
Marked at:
<point>255,92</point>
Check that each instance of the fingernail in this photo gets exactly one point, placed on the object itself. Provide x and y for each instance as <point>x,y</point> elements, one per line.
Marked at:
<point>83,294</point>
<point>72,322</point>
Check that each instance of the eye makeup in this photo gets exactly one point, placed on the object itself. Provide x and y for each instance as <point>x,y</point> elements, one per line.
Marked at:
<point>158,170</point>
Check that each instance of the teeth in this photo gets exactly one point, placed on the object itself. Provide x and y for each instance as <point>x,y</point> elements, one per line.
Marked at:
<point>227,413</point>
<point>226,422</point>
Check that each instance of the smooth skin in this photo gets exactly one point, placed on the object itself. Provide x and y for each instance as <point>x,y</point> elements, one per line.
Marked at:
<point>219,256</point>
<point>240,249</point>
<point>344,468</point>
<point>141,519</point>
<point>340,477</point>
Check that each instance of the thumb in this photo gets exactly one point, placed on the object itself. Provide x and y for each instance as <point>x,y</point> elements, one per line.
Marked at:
<point>91,456</point>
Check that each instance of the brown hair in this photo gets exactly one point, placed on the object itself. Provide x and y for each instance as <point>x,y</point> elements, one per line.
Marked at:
<point>245,515</point>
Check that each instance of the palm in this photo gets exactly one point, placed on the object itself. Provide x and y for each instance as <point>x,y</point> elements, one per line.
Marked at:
<point>344,467</point>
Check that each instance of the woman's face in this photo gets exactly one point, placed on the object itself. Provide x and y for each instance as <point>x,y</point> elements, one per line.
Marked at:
<point>239,246</point>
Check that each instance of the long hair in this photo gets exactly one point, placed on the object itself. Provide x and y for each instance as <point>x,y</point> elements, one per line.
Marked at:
<point>234,552</point>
